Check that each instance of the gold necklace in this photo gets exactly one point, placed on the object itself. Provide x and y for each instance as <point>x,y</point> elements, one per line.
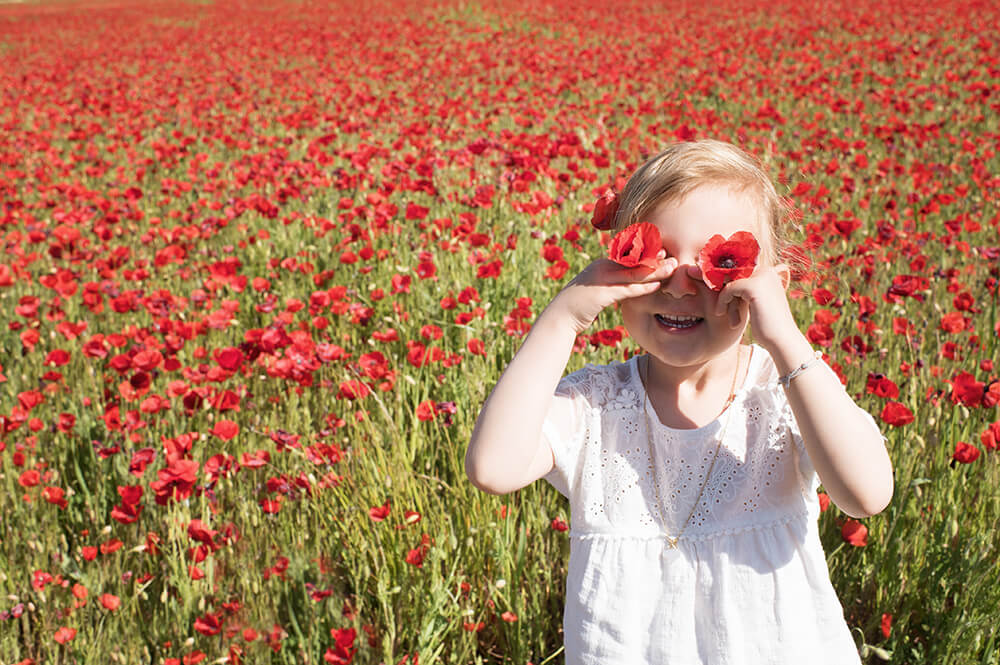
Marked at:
<point>672,540</point>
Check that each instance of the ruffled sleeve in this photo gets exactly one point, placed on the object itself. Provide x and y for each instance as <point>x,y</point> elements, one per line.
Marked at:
<point>568,425</point>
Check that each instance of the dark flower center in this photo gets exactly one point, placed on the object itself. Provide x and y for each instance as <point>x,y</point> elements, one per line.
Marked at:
<point>727,262</point>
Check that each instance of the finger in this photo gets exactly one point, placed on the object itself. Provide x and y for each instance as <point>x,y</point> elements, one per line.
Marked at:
<point>735,316</point>
<point>667,268</point>
<point>740,313</point>
<point>661,272</point>
<point>725,297</point>
<point>636,290</point>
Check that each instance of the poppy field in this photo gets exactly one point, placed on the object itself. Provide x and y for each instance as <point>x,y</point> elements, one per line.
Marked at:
<point>262,263</point>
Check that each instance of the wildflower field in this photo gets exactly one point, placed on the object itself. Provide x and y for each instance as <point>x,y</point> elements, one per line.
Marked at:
<point>262,263</point>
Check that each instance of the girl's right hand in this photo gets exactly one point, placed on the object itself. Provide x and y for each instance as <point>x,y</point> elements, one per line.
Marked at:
<point>603,283</point>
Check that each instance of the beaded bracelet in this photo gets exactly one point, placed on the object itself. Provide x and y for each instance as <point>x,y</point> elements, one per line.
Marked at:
<point>786,379</point>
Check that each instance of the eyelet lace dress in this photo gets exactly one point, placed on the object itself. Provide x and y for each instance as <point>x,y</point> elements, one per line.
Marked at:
<point>748,582</point>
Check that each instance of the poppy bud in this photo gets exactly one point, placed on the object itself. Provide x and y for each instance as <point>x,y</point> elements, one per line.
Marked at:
<point>605,210</point>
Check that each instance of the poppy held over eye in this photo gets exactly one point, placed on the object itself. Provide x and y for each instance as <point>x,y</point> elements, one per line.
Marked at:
<point>723,260</point>
<point>637,244</point>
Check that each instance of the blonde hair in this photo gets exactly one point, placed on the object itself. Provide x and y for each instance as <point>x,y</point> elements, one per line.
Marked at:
<point>682,167</point>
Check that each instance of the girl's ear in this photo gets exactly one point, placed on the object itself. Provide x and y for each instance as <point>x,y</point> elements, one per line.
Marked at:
<point>785,273</point>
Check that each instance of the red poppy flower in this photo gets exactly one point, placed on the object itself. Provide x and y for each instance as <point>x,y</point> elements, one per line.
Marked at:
<point>723,260</point>
<point>605,210</point>
<point>966,390</point>
<point>229,358</point>
<point>855,533</point>
<point>110,602</point>
<point>225,429</point>
<point>820,333</point>
<point>965,453</point>
<point>896,414</point>
<point>886,625</point>
<point>637,244</point>
<point>379,513</point>
<point>208,624</point>
<point>881,385</point>
<point>991,396</point>
<point>64,634</point>
<point>991,436</point>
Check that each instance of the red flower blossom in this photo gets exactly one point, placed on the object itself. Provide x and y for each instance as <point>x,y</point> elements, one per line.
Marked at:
<point>229,358</point>
<point>896,414</point>
<point>425,410</point>
<point>953,322</point>
<point>343,651</point>
<point>225,429</point>
<point>907,285</point>
<point>605,210</point>
<point>882,386</point>
<point>416,556</point>
<point>57,358</point>
<point>126,513</point>
<point>991,436</point>
<point>30,478</point>
<point>966,390</point>
<point>64,635</point>
<point>111,545</point>
<point>55,496</point>
<point>175,482</point>
<point>886,625</point>
<point>991,394</point>
<point>965,453</point>
<point>723,260</point>
<point>140,460</point>
<point>208,624</point>
<point>820,334</point>
<point>855,533</point>
<point>823,296</point>
<point>379,513</point>
<point>635,245</point>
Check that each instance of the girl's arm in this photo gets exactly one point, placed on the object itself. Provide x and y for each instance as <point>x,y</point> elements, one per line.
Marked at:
<point>507,450</point>
<point>847,452</point>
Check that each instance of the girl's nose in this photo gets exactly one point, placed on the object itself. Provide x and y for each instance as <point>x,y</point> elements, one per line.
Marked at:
<point>683,282</point>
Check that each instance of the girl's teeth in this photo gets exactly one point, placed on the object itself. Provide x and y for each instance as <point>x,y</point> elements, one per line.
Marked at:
<point>678,321</point>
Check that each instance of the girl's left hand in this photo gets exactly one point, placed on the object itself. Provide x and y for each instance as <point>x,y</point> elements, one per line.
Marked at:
<point>761,297</point>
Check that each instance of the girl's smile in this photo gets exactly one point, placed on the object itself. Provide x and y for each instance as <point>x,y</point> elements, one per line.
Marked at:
<point>678,323</point>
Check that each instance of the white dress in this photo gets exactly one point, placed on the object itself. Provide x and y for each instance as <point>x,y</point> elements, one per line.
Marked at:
<point>748,582</point>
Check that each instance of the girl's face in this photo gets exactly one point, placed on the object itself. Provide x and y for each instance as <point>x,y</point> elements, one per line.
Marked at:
<point>686,226</point>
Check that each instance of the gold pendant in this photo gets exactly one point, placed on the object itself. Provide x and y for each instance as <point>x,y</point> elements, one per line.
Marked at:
<point>673,542</point>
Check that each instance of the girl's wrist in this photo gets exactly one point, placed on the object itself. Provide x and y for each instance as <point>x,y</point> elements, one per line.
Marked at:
<point>790,352</point>
<point>558,319</point>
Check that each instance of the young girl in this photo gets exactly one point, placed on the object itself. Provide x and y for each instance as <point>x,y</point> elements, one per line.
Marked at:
<point>691,469</point>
